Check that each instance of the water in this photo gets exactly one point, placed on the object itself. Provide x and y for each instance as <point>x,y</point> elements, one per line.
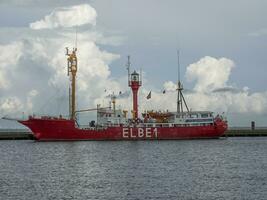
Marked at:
<point>233,168</point>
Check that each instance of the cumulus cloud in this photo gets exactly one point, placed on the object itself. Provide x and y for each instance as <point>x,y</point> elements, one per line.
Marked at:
<point>169,86</point>
<point>47,3</point>
<point>34,66</point>
<point>67,17</point>
<point>10,54</point>
<point>228,89</point>
<point>209,73</point>
<point>9,105</point>
<point>211,92</point>
<point>238,102</point>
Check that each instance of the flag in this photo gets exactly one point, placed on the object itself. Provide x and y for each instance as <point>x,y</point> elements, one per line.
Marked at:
<point>149,95</point>
<point>164,91</point>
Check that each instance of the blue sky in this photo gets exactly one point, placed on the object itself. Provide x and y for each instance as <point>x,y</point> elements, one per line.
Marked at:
<point>151,32</point>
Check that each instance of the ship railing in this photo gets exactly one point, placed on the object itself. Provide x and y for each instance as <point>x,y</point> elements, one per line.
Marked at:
<point>199,120</point>
<point>192,124</point>
<point>86,127</point>
<point>158,124</point>
<point>167,125</point>
<point>39,116</point>
<point>110,125</point>
<point>97,127</point>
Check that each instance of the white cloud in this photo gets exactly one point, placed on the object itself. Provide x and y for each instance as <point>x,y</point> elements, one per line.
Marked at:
<point>38,3</point>
<point>10,54</point>
<point>67,17</point>
<point>170,86</point>
<point>30,99</point>
<point>210,73</point>
<point>240,102</point>
<point>35,66</point>
<point>10,105</point>
<point>211,92</point>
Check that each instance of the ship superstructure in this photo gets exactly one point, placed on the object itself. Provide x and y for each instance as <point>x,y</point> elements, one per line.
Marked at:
<point>114,124</point>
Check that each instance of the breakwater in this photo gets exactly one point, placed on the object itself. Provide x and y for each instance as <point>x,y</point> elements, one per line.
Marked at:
<point>242,132</point>
<point>15,134</point>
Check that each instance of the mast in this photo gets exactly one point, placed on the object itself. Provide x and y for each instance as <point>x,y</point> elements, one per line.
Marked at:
<point>179,83</point>
<point>113,100</point>
<point>180,96</point>
<point>134,83</point>
<point>72,70</point>
<point>128,65</point>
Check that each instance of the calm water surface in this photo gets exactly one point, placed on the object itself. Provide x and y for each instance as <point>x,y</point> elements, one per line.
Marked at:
<point>233,168</point>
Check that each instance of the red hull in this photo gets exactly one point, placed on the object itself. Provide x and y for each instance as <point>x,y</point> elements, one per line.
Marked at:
<point>63,129</point>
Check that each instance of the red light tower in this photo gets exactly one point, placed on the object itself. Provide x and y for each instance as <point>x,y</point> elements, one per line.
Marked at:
<point>134,82</point>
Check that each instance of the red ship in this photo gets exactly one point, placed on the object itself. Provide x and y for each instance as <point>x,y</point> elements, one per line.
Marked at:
<point>113,124</point>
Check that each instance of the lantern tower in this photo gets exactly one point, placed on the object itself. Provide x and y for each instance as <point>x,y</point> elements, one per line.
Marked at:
<point>134,81</point>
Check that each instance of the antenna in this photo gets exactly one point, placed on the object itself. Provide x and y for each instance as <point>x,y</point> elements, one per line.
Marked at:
<point>178,63</point>
<point>128,65</point>
<point>76,37</point>
<point>180,96</point>
<point>178,84</point>
<point>141,76</point>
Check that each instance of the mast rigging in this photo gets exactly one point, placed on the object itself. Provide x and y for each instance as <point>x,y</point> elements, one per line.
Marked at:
<point>180,96</point>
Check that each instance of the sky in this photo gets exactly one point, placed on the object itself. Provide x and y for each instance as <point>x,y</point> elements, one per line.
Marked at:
<point>222,47</point>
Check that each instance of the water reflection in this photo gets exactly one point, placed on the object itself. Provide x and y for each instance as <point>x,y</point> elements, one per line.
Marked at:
<point>192,169</point>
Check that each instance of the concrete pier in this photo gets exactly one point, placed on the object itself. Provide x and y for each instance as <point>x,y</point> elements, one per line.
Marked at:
<point>15,134</point>
<point>246,132</point>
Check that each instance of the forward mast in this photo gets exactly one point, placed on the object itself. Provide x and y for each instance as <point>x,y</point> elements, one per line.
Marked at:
<point>72,71</point>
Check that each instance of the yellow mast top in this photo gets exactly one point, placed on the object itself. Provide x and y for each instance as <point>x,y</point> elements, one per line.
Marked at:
<point>72,69</point>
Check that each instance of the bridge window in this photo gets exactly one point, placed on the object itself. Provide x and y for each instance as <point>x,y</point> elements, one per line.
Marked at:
<point>205,115</point>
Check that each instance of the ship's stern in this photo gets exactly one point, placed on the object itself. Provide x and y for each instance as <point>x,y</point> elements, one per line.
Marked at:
<point>221,126</point>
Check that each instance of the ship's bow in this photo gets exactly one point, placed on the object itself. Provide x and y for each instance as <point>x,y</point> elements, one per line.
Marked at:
<point>30,124</point>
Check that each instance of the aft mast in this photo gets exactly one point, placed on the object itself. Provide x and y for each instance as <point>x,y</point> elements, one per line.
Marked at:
<point>72,70</point>
<point>180,96</point>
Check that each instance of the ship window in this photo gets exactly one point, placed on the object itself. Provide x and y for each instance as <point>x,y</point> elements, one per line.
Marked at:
<point>204,115</point>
